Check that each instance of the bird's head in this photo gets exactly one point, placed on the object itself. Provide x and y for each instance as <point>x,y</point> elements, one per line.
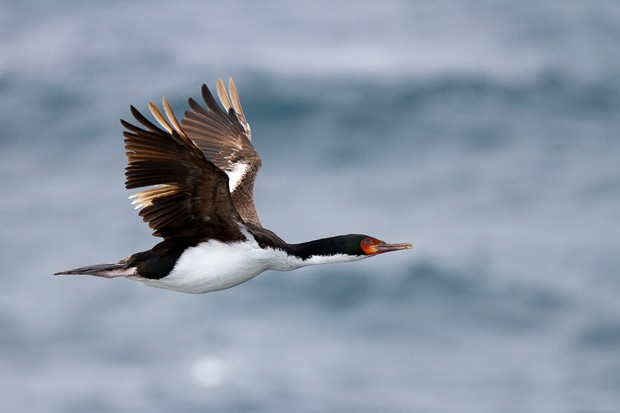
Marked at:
<point>343,248</point>
<point>370,246</point>
<point>361,245</point>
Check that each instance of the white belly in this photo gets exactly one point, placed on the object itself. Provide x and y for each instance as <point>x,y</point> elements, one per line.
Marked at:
<point>213,265</point>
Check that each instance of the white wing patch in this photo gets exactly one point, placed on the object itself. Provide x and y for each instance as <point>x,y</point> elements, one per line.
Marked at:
<point>235,175</point>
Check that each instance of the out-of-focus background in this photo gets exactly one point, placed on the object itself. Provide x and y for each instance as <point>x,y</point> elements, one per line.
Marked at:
<point>485,133</point>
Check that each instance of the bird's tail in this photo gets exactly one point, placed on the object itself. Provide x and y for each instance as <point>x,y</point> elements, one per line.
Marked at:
<point>101,270</point>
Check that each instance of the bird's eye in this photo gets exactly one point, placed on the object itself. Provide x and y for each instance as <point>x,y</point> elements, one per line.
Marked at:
<point>367,241</point>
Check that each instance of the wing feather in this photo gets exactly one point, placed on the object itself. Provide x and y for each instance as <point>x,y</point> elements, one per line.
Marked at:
<point>189,197</point>
<point>224,137</point>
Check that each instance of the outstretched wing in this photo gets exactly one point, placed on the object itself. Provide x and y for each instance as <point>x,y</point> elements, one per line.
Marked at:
<point>189,198</point>
<point>224,137</point>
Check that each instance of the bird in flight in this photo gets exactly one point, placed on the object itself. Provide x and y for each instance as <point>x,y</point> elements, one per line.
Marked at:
<point>199,177</point>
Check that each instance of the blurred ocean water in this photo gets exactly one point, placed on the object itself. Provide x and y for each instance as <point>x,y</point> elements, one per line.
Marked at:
<point>485,133</point>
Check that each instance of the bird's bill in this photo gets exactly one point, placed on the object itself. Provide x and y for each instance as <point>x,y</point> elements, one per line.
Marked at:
<point>382,247</point>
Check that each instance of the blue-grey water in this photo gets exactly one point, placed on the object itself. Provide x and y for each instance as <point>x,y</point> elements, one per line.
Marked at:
<point>485,133</point>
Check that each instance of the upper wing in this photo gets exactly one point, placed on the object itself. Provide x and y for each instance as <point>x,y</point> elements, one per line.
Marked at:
<point>224,136</point>
<point>190,198</point>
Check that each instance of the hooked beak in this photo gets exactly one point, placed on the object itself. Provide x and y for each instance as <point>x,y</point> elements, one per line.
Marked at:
<point>385,247</point>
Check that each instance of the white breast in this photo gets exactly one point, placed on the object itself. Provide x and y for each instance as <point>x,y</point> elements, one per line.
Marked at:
<point>212,266</point>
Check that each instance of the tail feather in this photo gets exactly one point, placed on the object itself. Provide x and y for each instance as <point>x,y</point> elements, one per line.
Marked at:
<point>101,270</point>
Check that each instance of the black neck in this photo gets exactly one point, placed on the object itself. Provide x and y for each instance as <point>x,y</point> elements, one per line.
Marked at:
<point>341,244</point>
<point>323,247</point>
